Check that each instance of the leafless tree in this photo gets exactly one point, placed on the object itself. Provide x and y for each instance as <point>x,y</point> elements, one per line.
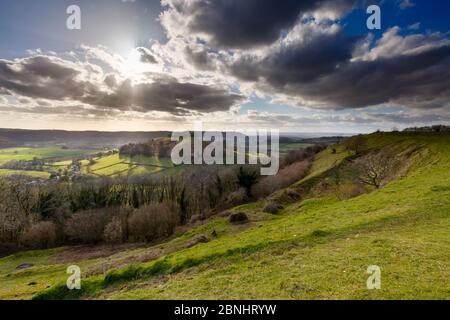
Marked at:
<point>375,168</point>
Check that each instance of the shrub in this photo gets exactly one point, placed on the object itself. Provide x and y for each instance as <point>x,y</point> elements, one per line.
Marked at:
<point>87,226</point>
<point>239,217</point>
<point>152,222</point>
<point>40,236</point>
<point>272,208</point>
<point>237,198</point>
<point>246,179</point>
<point>113,231</point>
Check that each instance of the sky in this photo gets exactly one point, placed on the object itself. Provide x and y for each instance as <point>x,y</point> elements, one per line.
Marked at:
<point>296,66</point>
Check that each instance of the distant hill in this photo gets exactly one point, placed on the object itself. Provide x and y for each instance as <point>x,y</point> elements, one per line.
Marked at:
<point>6,143</point>
<point>93,139</point>
<point>104,139</point>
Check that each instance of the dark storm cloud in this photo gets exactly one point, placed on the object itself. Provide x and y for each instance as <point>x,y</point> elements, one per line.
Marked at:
<point>419,81</point>
<point>40,77</point>
<point>44,77</point>
<point>299,62</point>
<point>312,62</point>
<point>322,70</point>
<point>243,24</point>
<point>170,96</point>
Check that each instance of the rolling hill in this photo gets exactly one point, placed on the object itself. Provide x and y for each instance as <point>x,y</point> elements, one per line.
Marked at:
<point>318,246</point>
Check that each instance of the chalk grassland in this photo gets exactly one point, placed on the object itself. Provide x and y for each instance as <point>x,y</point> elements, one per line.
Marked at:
<point>318,248</point>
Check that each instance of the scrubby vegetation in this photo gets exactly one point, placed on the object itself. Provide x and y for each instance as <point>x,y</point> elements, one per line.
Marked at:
<point>139,209</point>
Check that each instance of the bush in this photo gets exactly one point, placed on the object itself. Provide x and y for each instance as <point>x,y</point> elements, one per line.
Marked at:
<point>239,217</point>
<point>87,226</point>
<point>237,198</point>
<point>272,208</point>
<point>40,236</point>
<point>113,233</point>
<point>152,222</point>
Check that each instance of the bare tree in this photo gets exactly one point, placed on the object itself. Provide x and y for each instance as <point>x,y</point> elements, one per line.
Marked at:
<point>375,168</point>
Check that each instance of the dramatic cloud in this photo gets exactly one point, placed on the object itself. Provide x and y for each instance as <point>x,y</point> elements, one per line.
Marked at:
<point>326,69</point>
<point>167,95</point>
<point>220,54</point>
<point>241,24</point>
<point>309,52</point>
<point>43,77</point>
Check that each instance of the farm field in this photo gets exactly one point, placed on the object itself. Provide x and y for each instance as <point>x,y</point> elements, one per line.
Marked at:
<point>113,165</point>
<point>117,165</point>
<point>10,154</point>
<point>33,174</point>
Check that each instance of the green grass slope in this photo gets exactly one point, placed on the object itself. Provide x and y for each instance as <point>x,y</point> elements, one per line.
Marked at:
<point>318,248</point>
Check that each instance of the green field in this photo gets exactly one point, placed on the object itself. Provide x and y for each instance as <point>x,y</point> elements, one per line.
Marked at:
<point>106,166</point>
<point>117,165</point>
<point>10,154</point>
<point>317,248</point>
<point>34,174</point>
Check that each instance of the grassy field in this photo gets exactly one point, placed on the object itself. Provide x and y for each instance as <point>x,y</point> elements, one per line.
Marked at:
<point>34,174</point>
<point>117,165</point>
<point>9,154</point>
<point>318,248</point>
<point>111,166</point>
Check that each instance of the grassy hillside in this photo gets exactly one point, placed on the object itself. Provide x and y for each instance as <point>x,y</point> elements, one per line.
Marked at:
<point>316,248</point>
